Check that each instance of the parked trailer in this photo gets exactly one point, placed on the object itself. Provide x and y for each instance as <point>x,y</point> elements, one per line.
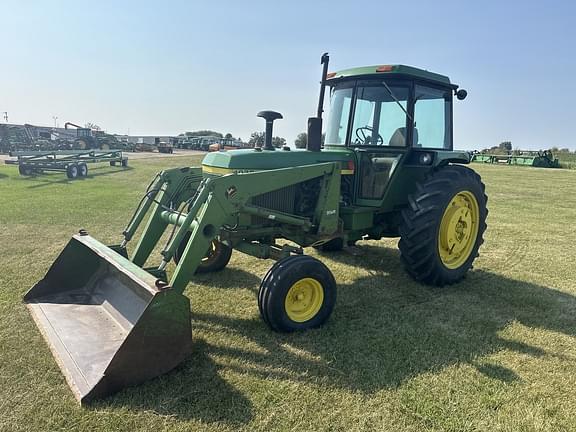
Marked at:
<point>72,162</point>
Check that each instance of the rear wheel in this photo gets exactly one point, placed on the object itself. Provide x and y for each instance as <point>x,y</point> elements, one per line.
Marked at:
<point>217,257</point>
<point>25,171</point>
<point>333,245</point>
<point>442,227</point>
<point>82,170</point>
<point>297,293</point>
<point>81,144</point>
<point>72,171</point>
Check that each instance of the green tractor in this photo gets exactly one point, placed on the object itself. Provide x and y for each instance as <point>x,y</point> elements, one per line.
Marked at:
<point>387,169</point>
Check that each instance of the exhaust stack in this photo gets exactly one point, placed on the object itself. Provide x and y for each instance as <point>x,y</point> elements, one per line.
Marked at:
<point>315,123</point>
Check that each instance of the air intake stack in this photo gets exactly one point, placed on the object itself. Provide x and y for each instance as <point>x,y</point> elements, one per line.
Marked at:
<point>269,116</point>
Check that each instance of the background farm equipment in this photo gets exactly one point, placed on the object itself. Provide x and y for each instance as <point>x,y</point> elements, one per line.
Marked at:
<point>72,162</point>
<point>39,138</point>
<point>13,137</point>
<point>87,138</point>
<point>112,322</point>
<point>542,158</point>
<point>165,146</point>
<point>228,144</point>
<point>210,143</point>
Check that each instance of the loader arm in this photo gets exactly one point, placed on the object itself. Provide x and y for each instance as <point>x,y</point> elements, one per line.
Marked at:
<point>111,323</point>
<point>217,201</point>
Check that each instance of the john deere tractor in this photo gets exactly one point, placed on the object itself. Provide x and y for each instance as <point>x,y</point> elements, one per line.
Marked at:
<point>387,169</point>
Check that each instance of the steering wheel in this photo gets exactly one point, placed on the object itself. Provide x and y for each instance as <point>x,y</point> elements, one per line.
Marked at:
<point>364,134</point>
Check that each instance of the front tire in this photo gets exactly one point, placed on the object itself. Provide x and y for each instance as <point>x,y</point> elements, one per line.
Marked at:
<point>297,293</point>
<point>217,257</point>
<point>443,226</point>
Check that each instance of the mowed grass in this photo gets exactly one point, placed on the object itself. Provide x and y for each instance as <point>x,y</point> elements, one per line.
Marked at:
<point>495,352</point>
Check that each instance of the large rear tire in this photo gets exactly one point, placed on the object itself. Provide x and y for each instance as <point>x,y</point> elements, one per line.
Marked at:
<point>297,293</point>
<point>443,226</point>
<point>334,245</point>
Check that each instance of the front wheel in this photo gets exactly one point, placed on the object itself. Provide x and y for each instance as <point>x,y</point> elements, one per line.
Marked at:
<point>217,257</point>
<point>442,227</point>
<point>297,293</point>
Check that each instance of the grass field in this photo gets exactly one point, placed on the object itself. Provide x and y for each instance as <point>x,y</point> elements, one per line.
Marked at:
<point>497,352</point>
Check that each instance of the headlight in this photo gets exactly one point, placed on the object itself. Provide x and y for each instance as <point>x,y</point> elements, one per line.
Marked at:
<point>425,159</point>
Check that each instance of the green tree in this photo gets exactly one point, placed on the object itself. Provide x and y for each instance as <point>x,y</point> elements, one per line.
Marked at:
<point>301,140</point>
<point>278,142</point>
<point>256,139</point>
<point>228,136</point>
<point>505,146</point>
<point>92,126</point>
<point>204,133</point>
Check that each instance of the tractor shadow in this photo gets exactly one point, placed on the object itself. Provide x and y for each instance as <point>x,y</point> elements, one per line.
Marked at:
<point>49,179</point>
<point>386,328</point>
<point>193,391</point>
<point>229,278</point>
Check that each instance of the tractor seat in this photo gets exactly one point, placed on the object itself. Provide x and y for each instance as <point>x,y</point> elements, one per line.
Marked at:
<point>398,138</point>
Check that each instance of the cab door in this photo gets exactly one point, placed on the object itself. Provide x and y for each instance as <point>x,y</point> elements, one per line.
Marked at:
<point>379,136</point>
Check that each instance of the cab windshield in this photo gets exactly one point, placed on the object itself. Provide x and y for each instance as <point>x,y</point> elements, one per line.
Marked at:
<point>379,115</point>
<point>340,105</point>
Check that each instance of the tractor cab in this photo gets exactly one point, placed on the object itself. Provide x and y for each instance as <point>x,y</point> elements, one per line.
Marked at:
<point>388,115</point>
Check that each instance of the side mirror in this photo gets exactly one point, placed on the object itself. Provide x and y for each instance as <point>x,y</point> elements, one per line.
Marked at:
<point>461,94</point>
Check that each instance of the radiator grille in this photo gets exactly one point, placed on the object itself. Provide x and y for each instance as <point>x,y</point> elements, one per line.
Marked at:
<point>281,200</point>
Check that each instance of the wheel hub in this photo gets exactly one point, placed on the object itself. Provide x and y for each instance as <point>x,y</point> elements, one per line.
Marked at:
<point>304,299</point>
<point>458,229</point>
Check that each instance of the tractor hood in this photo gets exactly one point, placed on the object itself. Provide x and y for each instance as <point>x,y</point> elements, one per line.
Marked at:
<point>247,160</point>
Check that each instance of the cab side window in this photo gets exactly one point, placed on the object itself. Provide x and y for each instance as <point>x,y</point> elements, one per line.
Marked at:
<point>432,118</point>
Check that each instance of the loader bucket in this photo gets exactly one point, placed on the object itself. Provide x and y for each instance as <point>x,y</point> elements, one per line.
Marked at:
<point>109,323</point>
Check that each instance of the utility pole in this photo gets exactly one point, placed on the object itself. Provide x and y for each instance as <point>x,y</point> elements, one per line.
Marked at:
<point>55,118</point>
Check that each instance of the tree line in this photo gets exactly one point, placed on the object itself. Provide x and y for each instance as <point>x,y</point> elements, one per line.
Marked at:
<point>256,138</point>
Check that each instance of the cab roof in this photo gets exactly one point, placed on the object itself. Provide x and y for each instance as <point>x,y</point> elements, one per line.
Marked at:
<point>390,70</point>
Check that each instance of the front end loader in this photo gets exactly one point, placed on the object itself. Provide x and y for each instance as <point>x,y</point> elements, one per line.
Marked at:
<point>113,321</point>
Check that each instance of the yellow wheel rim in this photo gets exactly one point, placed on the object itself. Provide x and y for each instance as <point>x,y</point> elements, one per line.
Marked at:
<point>458,229</point>
<point>304,299</point>
<point>213,252</point>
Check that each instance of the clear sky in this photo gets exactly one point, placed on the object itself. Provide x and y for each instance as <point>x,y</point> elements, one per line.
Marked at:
<point>163,67</point>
